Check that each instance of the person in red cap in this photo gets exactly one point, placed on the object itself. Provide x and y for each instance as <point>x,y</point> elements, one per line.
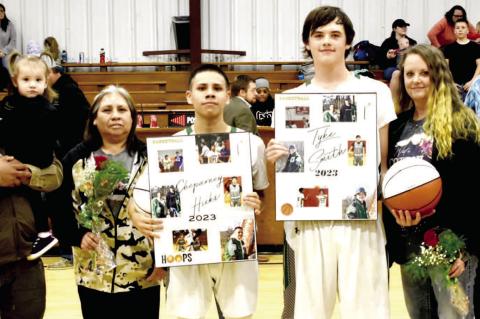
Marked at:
<point>390,47</point>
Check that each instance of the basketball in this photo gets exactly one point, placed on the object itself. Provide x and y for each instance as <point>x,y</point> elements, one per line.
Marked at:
<point>412,184</point>
<point>287,209</point>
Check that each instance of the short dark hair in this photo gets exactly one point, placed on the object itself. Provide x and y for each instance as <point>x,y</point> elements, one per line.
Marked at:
<point>241,83</point>
<point>461,20</point>
<point>207,68</point>
<point>449,14</point>
<point>322,16</point>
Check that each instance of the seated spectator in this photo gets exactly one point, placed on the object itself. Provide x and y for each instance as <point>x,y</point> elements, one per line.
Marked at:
<point>390,47</point>
<point>237,112</point>
<point>50,45</point>
<point>262,109</point>
<point>442,33</point>
<point>72,107</point>
<point>472,99</point>
<point>403,44</point>
<point>463,57</point>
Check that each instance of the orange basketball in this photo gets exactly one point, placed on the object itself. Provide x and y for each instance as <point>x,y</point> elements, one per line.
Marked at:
<point>412,184</point>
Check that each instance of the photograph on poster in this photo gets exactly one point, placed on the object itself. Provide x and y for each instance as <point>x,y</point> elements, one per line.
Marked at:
<point>294,162</point>
<point>170,161</point>
<point>357,151</point>
<point>297,117</point>
<point>339,108</point>
<point>237,240</point>
<point>233,191</point>
<point>312,197</point>
<point>213,148</point>
<point>166,201</point>
<point>190,240</point>
<point>199,239</point>
<point>355,206</point>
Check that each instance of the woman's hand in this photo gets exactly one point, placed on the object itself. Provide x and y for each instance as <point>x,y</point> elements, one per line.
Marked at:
<point>90,241</point>
<point>404,218</point>
<point>275,150</point>
<point>253,200</point>
<point>143,221</point>
<point>157,275</point>
<point>458,267</point>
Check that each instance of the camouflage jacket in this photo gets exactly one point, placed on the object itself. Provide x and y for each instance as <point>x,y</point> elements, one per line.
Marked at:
<point>132,251</point>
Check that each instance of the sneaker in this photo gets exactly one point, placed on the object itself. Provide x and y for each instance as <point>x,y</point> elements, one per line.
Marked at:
<point>41,246</point>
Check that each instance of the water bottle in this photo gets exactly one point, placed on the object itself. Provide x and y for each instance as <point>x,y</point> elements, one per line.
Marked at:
<point>102,56</point>
<point>64,57</point>
<point>153,121</point>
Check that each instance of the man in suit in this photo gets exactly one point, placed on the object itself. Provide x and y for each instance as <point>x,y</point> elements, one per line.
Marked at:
<point>237,113</point>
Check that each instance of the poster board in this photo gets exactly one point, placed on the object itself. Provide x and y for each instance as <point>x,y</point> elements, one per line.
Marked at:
<point>197,184</point>
<point>332,143</point>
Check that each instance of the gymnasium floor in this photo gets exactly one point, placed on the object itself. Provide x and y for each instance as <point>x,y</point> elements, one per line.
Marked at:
<point>62,298</point>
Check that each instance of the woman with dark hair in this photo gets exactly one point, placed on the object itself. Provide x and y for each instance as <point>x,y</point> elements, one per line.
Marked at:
<point>8,39</point>
<point>442,33</point>
<point>433,116</point>
<point>110,133</point>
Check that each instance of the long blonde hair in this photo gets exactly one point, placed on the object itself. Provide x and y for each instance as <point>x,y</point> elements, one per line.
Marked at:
<point>448,119</point>
<point>17,61</point>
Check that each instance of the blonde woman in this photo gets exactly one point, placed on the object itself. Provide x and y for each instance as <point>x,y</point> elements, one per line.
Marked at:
<point>447,134</point>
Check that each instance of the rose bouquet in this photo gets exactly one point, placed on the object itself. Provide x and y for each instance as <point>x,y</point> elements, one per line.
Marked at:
<point>100,178</point>
<point>438,252</point>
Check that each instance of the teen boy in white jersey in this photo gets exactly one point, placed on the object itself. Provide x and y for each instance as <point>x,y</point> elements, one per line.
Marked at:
<point>338,257</point>
<point>234,285</point>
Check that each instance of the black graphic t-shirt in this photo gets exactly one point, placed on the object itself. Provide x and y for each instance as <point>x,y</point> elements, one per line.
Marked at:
<point>413,143</point>
<point>262,111</point>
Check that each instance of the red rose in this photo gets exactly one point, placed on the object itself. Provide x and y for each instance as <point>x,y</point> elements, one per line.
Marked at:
<point>430,238</point>
<point>99,161</point>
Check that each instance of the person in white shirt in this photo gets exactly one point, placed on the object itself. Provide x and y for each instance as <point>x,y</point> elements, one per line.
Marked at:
<point>338,257</point>
<point>234,285</point>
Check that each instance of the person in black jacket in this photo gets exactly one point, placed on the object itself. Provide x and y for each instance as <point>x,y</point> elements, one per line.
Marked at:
<point>72,107</point>
<point>390,48</point>
<point>439,128</point>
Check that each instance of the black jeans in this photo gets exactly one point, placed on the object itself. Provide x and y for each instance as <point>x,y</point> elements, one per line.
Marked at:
<point>141,303</point>
<point>22,290</point>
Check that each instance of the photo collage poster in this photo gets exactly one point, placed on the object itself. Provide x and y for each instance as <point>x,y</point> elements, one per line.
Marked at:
<point>330,172</point>
<point>197,186</point>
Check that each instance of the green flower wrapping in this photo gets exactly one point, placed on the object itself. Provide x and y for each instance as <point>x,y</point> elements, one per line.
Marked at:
<point>437,254</point>
<point>436,257</point>
<point>101,177</point>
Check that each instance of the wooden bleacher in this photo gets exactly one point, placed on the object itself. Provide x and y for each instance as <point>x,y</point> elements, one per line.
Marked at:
<point>158,93</point>
<point>168,87</point>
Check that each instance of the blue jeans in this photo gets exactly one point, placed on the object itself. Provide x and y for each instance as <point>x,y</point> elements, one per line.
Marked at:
<point>421,299</point>
<point>387,73</point>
